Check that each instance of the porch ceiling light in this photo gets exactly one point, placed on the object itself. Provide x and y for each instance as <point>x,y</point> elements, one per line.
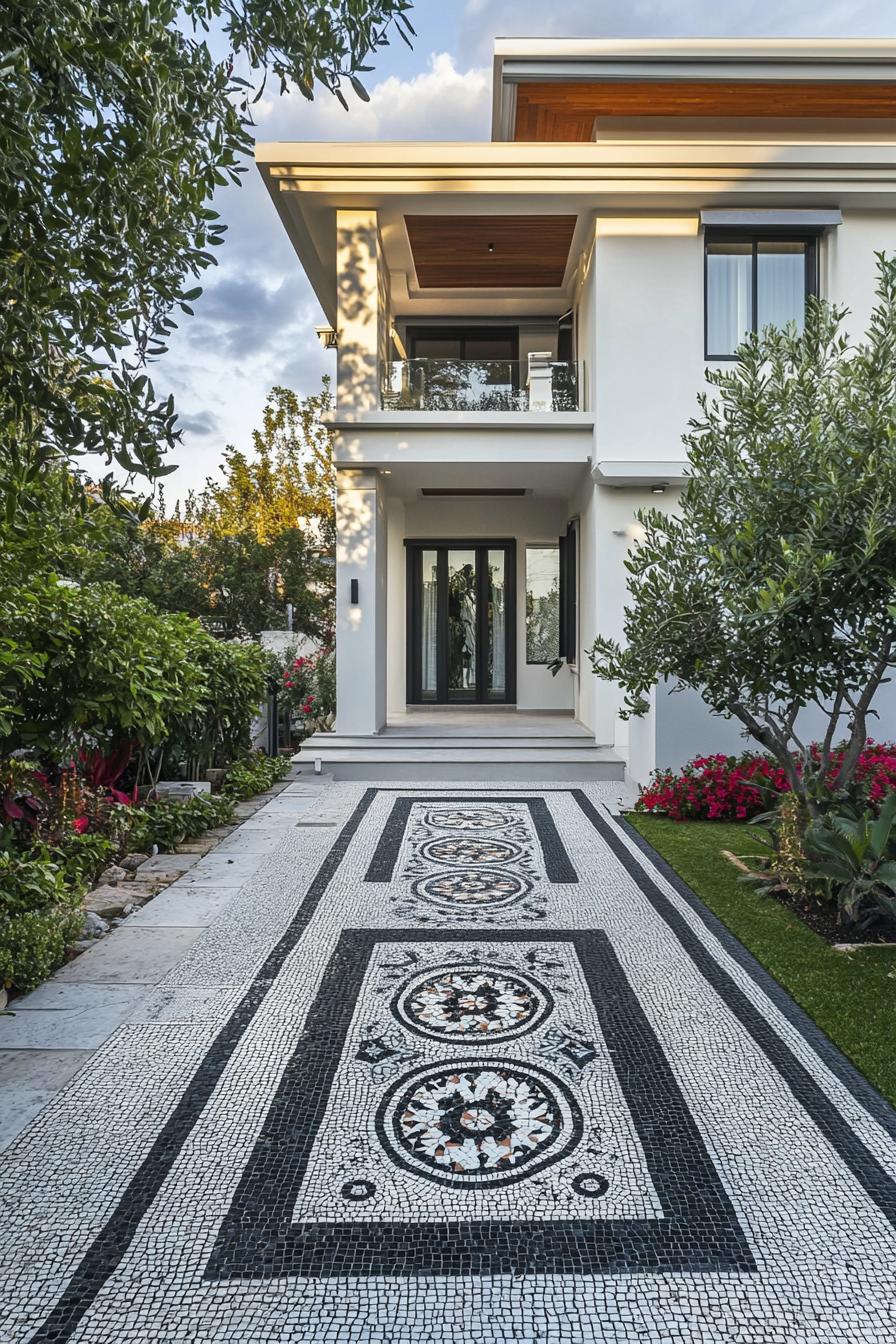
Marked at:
<point>658,489</point>
<point>327,337</point>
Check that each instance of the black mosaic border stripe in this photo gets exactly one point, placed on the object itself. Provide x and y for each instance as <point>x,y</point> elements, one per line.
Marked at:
<point>111,1244</point>
<point>698,1233</point>
<point>558,865</point>
<point>874,1180</point>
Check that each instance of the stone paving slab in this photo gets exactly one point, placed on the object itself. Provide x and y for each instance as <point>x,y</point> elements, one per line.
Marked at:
<point>28,1080</point>
<point>68,1015</point>
<point>470,1067</point>
<point>183,905</point>
<point>130,955</point>
<point>168,863</point>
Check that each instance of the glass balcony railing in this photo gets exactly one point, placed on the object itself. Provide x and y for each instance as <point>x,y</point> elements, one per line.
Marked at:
<point>536,384</point>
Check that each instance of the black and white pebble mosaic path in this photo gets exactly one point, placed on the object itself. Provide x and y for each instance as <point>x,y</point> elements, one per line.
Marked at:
<point>471,1065</point>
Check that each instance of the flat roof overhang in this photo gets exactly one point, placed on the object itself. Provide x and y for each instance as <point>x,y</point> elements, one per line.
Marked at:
<point>554,89</point>
<point>309,182</point>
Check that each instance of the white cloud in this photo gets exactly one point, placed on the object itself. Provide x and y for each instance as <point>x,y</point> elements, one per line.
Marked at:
<point>441,103</point>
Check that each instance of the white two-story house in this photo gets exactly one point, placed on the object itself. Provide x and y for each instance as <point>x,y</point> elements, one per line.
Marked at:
<point>521,330</point>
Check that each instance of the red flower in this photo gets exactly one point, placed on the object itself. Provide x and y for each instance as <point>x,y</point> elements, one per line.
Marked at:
<point>80,824</point>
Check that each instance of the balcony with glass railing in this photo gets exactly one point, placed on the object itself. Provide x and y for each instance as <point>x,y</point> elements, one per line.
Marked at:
<point>536,384</point>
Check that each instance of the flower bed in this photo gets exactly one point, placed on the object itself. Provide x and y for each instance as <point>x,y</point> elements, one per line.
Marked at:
<point>736,788</point>
<point>63,828</point>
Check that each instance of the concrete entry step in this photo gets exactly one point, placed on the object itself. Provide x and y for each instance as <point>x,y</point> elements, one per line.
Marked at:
<point>446,758</point>
<point>392,742</point>
<point>432,768</point>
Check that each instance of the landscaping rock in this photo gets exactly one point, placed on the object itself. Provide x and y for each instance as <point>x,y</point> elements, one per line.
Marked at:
<point>106,901</point>
<point>133,861</point>
<point>113,874</point>
<point>94,925</point>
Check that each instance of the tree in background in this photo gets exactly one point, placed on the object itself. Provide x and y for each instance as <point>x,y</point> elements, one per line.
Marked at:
<point>117,124</point>
<point>290,476</point>
<point>775,587</point>
<point>253,550</point>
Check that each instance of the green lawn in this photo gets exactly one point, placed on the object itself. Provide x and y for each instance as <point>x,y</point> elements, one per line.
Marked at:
<point>852,996</point>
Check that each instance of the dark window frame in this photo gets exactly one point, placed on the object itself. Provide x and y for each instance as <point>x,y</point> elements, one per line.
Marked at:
<point>476,331</point>
<point>569,594</point>
<point>755,237</point>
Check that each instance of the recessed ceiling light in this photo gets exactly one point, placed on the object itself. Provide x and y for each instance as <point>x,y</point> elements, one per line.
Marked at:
<point>658,489</point>
<point>491,247</point>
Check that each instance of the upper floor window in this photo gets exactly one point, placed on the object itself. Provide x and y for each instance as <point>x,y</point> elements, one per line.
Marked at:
<point>754,281</point>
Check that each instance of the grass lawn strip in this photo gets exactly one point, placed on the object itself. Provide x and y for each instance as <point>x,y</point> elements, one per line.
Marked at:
<point>851,996</point>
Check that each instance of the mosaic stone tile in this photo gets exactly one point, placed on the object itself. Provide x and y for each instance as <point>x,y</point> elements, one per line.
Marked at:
<point>471,1064</point>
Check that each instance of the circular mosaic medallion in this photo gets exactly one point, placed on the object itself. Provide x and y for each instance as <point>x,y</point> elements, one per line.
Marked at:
<point>469,850</point>
<point>468,818</point>
<point>473,887</point>
<point>454,1003</point>
<point>478,1123</point>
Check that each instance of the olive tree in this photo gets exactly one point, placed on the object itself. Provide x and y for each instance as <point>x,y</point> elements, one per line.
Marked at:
<point>117,123</point>
<point>774,586</point>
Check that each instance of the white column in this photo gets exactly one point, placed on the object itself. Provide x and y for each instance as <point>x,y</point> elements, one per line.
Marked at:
<point>361,316</point>
<point>360,625</point>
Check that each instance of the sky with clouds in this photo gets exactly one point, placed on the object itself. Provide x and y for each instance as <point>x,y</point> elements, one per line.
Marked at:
<point>254,325</point>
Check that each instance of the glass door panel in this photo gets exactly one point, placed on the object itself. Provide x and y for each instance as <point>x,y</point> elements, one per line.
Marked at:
<point>496,625</point>
<point>463,625</point>
<point>429,620</point>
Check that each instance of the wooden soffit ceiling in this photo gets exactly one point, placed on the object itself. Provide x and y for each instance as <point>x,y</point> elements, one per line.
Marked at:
<point>490,251</point>
<point>566,111</point>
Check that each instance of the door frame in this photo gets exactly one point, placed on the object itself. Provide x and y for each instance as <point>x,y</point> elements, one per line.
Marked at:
<point>414,604</point>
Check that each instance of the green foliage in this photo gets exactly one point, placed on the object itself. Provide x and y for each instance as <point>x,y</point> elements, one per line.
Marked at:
<point>79,858</point>
<point>773,589</point>
<point>854,855</point>
<point>217,727</point>
<point>115,669</point>
<point>112,667</point>
<point>117,124</point>
<point>168,822</point>
<point>253,774</point>
<point>39,916</point>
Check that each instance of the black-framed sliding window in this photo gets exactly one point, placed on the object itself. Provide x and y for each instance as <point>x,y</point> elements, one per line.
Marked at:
<point>754,280</point>
<point>469,343</point>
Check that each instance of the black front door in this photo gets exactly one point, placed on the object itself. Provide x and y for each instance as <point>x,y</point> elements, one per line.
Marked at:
<point>461,622</point>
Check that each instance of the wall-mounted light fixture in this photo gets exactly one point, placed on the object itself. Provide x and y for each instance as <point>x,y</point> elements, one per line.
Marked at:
<point>657,489</point>
<point>327,337</point>
<point>353,592</point>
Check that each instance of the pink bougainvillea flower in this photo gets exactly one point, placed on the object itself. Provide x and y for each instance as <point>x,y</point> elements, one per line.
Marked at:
<point>80,824</point>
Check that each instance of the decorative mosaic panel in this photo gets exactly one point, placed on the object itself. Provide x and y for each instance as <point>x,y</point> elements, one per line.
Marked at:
<point>480,1068</point>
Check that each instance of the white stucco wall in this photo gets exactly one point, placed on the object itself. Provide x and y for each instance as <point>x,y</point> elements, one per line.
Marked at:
<point>643,301</point>
<point>648,336</point>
